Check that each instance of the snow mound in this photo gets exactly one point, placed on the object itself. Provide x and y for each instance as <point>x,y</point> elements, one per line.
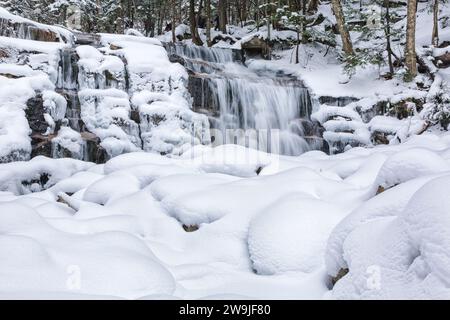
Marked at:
<point>405,255</point>
<point>109,263</point>
<point>410,164</point>
<point>291,235</point>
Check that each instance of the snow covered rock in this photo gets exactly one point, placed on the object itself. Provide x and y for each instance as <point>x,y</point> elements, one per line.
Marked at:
<point>409,164</point>
<point>291,235</point>
<point>403,255</point>
<point>108,263</point>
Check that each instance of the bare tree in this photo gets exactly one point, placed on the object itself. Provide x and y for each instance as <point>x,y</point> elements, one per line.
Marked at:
<point>174,11</point>
<point>387,33</point>
<point>342,28</point>
<point>193,22</point>
<point>222,7</point>
<point>313,6</point>
<point>208,22</point>
<point>410,48</point>
<point>435,34</point>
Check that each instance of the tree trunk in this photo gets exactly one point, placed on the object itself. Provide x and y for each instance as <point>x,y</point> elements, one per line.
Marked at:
<point>208,22</point>
<point>174,36</point>
<point>410,48</point>
<point>268,18</point>
<point>193,22</point>
<point>435,35</point>
<point>313,6</point>
<point>223,15</point>
<point>345,35</point>
<point>387,31</point>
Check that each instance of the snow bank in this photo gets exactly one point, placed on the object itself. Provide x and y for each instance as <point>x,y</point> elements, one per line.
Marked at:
<point>291,235</point>
<point>409,164</point>
<point>407,254</point>
<point>109,263</point>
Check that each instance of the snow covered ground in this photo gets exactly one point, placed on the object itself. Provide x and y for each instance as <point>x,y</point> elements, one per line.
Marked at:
<point>206,224</point>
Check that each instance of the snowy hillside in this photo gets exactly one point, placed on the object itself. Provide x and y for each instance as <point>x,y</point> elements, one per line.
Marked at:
<point>138,167</point>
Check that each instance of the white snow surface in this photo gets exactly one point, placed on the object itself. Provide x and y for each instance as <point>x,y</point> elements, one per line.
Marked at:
<point>118,230</point>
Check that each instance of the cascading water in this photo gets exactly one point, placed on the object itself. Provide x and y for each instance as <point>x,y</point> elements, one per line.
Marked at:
<point>236,97</point>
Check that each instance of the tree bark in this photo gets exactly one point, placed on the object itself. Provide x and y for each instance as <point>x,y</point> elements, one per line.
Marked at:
<point>193,22</point>
<point>174,36</point>
<point>313,6</point>
<point>343,31</point>
<point>223,15</point>
<point>208,22</point>
<point>410,48</point>
<point>387,31</point>
<point>435,34</point>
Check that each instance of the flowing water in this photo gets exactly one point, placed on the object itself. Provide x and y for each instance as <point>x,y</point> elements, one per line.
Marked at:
<point>236,97</point>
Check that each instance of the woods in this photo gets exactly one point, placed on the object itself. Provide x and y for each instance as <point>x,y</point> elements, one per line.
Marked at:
<point>202,20</point>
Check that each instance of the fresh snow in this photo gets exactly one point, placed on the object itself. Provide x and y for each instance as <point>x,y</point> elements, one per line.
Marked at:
<point>262,236</point>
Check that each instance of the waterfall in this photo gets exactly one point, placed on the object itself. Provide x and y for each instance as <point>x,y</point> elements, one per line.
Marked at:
<point>236,97</point>
<point>67,69</point>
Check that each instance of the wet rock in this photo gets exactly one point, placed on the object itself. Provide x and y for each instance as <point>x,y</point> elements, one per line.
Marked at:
<point>190,228</point>
<point>3,53</point>
<point>177,59</point>
<point>10,76</point>
<point>342,272</point>
<point>379,138</point>
<point>91,39</point>
<point>41,145</point>
<point>25,30</point>
<point>95,152</point>
<point>225,38</point>
<point>16,155</point>
<point>443,61</point>
<point>37,184</point>
<point>405,108</point>
<point>202,95</point>
<point>256,47</point>
<point>114,47</point>
<point>367,114</point>
<point>336,101</point>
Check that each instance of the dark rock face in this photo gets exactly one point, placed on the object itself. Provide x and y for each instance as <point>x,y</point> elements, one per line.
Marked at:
<point>342,273</point>
<point>3,53</point>
<point>38,183</point>
<point>256,48</point>
<point>41,144</point>
<point>336,101</point>
<point>202,95</point>
<point>379,109</point>
<point>25,30</point>
<point>16,155</point>
<point>90,39</point>
<point>95,153</point>
<point>35,115</point>
<point>73,111</point>
<point>443,61</point>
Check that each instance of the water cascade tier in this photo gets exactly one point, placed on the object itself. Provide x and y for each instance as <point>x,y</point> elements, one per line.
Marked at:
<point>243,103</point>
